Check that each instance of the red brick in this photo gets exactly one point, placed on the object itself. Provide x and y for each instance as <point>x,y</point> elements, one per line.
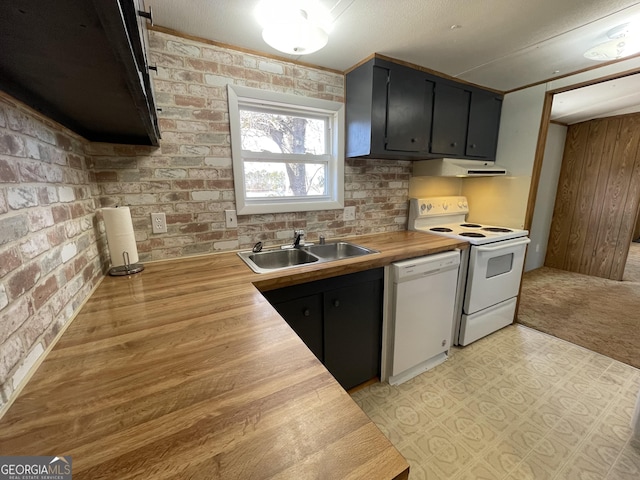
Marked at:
<point>43,292</point>
<point>179,218</point>
<point>103,177</point>
<point>56,236</point>
<point>9,261</point>
<point>75,161</point>
<point>214,116</point>
<point>194,228</point>
<point>77,210</point>
<point>7,172</point>
<point>188,101</point>
<point>209,236</point>
<point>87,273</point>
<point>60,213</point>
<point>11,145</point>
<point>23,280</point>
<point>202,65</point>
<point>189,184</point>
<point>63,142</point>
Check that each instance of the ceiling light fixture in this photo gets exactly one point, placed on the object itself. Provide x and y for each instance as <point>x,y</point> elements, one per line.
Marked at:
<point>624,40</point>
<point>296,27</point>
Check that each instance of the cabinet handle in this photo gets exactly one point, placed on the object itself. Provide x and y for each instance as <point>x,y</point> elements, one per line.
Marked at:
<point>413,140</point>
<point>454,144</point>
<point>154,68</point>
<point>148,15</point>
<point>306,312</point>
<point>473,145</point>
<point>336,303</point>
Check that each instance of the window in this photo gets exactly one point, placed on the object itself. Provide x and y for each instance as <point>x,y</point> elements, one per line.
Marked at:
<point>288,151</point>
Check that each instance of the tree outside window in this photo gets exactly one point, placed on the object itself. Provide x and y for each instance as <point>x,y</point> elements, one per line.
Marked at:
<point>287,151</point>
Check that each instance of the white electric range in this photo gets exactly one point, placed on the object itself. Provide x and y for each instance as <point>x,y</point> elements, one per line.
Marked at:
<point>490,270</point>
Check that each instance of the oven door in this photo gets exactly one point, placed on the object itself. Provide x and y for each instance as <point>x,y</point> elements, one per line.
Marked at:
<point>494,273</point>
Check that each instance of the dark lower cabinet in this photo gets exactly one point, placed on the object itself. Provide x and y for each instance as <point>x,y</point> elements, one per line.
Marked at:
<point>352,329</point>
<point>304,315</point>
<point>340,320</point>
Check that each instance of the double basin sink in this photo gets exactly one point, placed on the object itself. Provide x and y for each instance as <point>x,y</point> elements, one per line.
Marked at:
<point>274,260</point>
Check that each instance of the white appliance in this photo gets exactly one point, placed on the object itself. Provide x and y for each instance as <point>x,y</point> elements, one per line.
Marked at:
<point>490,269</point>
<point>455,167</point>
<point>422,305</point>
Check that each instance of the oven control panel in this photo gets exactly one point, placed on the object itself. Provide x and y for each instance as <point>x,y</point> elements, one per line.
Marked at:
<point>434,206</point>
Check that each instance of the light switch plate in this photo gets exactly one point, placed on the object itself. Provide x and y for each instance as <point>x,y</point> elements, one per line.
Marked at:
<point>231,220</point>
<point>349,213</point>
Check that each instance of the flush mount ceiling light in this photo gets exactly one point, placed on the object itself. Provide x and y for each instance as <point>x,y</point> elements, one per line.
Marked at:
<point>296,27</point>
<point>624,40</point>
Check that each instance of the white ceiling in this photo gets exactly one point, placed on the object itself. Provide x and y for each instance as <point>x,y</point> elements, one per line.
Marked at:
<point>500,44</point>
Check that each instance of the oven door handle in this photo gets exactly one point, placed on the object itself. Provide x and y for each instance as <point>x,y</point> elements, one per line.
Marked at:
<point>502,245</point>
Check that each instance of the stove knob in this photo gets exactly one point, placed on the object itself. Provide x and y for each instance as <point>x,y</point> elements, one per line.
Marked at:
<point>422,207</point>
<point>429,207</point>
<point>460,205</point>
<point>465,205</point>
<point>445,206</point>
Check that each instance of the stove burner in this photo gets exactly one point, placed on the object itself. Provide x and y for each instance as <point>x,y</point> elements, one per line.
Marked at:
<point>497,229</point>
<point>472,234</point>
<point>470,225</point>
<point>440,229</point>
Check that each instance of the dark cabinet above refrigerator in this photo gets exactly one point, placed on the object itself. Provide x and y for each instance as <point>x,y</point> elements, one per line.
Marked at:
<point>81,63</point>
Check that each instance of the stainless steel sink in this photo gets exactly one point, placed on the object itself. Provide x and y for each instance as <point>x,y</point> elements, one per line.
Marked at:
<point>280,259</point>
<point>338,250</point>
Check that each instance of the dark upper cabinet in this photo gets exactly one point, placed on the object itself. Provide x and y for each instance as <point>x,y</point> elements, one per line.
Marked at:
<point>450,120</point>
<point>394,111</point>
<point>81,63</point>
<point>388,111</point>
<point>484,121</point>
<point>409,103</point>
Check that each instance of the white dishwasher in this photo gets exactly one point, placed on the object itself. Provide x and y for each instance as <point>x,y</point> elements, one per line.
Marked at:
<point>422,303</point>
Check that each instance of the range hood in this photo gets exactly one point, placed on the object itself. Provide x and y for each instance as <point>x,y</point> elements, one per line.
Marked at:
<point>455,167</point>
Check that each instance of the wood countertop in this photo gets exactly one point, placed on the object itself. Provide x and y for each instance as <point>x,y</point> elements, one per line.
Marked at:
<point>186,371</point>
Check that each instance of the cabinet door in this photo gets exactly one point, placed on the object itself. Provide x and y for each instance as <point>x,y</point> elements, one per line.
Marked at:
<point>450,118</point>
<point>484,123</point>
<point>304,315</point>
<point>352,332</point>
<point>409,105</point>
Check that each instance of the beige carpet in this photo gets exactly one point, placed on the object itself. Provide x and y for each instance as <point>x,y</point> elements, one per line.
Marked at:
<point>598,314</point>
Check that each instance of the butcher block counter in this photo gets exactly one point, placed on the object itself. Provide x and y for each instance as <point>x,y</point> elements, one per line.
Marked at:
<point>185,371</point>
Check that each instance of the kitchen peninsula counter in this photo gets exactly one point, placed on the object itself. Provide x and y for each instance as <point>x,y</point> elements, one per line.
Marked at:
<point>186,371</point>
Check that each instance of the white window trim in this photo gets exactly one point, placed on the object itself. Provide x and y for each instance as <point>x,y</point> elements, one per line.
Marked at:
<point>239,95</point>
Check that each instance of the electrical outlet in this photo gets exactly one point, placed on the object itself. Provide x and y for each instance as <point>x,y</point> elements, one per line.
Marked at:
<point>349,213</point>
<point>231,219</point>
<point>159,222</point>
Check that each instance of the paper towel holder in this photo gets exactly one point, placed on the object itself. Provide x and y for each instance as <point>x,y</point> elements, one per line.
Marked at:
<point>128,268</point>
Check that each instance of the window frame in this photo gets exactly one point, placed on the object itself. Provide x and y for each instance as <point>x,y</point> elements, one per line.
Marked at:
<point>241,96</point>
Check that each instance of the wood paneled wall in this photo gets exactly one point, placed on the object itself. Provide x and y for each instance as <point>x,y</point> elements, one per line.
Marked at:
<point>597,199</point>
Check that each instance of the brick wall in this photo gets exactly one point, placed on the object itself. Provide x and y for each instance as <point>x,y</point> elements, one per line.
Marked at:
<point>52,245</point>
<point>190,176</point>
<point>49,255</point>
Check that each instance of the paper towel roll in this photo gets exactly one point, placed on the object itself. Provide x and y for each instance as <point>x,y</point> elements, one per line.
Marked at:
<point>120,235</point>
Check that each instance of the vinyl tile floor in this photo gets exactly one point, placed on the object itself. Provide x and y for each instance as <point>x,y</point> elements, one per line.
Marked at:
<point>518,404</point>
